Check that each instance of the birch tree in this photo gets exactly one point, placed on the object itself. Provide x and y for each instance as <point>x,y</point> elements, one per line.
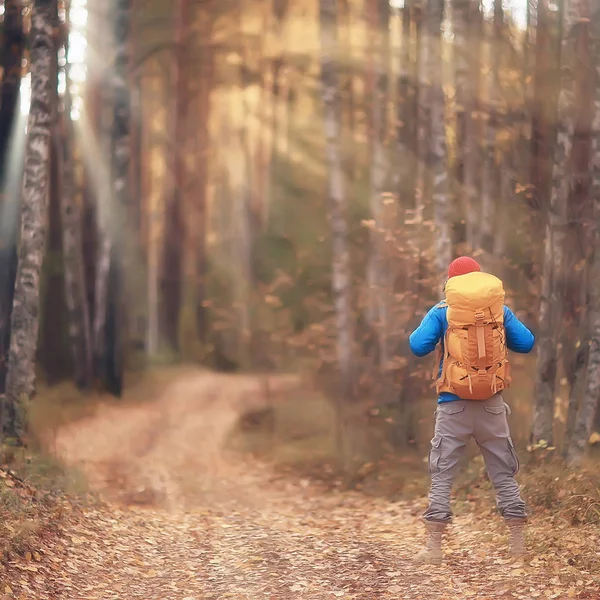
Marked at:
<point>20,383</point>
<point>337,205</point>
<point>12,56</point>
<point>553,276</point>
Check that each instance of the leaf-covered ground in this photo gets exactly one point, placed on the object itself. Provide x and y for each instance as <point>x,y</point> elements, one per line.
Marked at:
<point>183,520</point>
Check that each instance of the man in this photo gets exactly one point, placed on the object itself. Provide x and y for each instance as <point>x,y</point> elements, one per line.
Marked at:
<point>485,416</point>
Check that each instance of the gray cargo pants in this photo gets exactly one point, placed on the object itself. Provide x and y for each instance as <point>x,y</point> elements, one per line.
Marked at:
<point>485,421</point>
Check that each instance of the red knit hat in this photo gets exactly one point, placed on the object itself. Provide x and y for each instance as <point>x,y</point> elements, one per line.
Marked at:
<point>463,265</point>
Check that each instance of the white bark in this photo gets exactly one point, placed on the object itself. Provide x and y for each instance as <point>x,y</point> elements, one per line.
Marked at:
<point>20,384</point>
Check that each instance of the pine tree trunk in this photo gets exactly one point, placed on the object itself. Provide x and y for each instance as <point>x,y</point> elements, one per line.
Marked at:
<point>204,141</point>
<point>72,247</point>
<point>554,269</point>
<point>437,160</point>
<point>341,275</point>
<point>20,381</point>
<point>175,230</point>
<point>12,56</point>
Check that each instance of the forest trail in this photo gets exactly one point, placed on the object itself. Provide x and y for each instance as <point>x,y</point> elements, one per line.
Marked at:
<point>183,520</point>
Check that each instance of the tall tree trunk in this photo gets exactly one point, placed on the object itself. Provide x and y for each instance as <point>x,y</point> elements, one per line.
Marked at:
<point>378,19</point>
<point>206,86</point>
<point>472,169</point>
<point>248,217</point>
<point>575,347</point>
<point>101,183</point>
<point>12,57</point>
<point>76,294</point>
<point>591,394</point>
<point>341,274</point>
<point>423,116</point>
<point>175,230</point>
<point>461,13</point>
<point>491,180</point>
<point>20,381</point>
<point>406,131</point>
<point>120,255</point>
<point>437,159</point>
<point>553,283</point>
<point>543,126</point>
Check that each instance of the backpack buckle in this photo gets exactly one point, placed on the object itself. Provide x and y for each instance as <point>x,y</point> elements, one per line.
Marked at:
<point>482,372</point>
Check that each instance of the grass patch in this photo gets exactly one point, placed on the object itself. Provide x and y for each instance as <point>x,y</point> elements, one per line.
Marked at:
<point>61,404</point>
<point>32,489</point>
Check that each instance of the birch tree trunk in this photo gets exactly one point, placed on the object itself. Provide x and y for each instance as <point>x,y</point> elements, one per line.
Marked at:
<point>437,160</point>
<point>591,394</point>
<point>553,281</point>
<point>20,382</point>
<point>12,56</point>
<point>72,246</point>
<point>341,275</point>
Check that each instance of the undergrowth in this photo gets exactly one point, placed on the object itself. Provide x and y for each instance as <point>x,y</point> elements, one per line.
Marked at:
<point>299,435</point>
<point>32,489</point>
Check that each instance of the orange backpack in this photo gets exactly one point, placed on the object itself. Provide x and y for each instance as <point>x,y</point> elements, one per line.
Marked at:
<point>475,357</point>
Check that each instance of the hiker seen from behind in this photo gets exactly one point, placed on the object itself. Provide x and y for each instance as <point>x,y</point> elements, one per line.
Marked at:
<point>474,331</point>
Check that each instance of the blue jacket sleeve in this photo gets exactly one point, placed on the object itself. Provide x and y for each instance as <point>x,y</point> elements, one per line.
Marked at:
<point>425,337</point>
<point>518,337</point>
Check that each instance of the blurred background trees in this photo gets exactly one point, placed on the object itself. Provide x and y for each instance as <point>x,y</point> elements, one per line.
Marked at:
<point>258,185</point>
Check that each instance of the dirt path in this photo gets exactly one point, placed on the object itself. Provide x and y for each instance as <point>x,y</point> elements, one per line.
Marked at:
<point>184,521</point>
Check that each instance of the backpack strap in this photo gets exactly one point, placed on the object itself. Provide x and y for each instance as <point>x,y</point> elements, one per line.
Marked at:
<point>481,353</point>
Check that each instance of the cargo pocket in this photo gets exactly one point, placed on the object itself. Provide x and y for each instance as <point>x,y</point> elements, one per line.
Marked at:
<point>514,459</point>
<point>453,408</point>
<point>495,410</point>
<point>435,454</point>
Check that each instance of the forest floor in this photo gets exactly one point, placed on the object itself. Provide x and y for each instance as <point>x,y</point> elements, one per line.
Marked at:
<point>183,519</point>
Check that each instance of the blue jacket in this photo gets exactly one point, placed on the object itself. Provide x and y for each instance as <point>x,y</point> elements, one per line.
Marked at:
<point>432,330</point>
